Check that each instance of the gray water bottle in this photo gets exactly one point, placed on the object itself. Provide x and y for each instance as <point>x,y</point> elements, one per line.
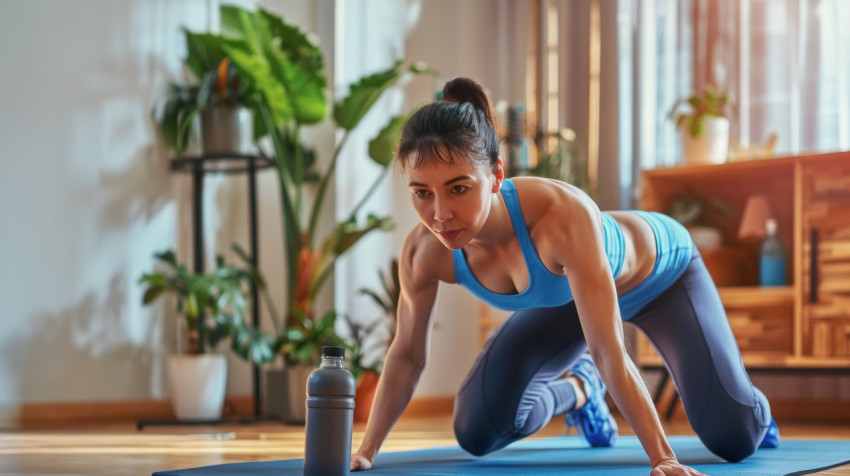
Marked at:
<point>330,416</point>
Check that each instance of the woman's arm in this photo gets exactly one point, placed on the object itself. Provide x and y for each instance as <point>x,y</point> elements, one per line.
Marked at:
<point>406,356</point>
<point>595,294</point>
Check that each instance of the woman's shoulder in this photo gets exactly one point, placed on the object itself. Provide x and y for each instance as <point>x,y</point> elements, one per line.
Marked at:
<point>559,217</point>
<point>423,254</point>
<point>547,198</point>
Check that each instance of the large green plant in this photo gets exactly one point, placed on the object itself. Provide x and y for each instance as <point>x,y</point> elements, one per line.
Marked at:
<point>285,70</point>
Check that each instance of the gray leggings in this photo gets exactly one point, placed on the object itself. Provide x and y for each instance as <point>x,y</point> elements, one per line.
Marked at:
<point>509,393</point>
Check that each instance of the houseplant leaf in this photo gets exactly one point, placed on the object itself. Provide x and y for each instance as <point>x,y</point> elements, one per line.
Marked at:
<point>240,23</point>
<point>347,234</point>
<point>299,64</point>
<point>281,62</point>
<point>379,300</point>
<point>152,292</point>
<point>362,96</point>
<point>180,97</point>
<point>257,70</point>
<point>382,148</point>
<point>204,52</point>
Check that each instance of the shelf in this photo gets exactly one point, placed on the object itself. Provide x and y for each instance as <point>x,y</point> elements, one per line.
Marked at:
<point>744,167</point>
<point>756,296</point>
<point>220,163</point>
<point>771,361</point>
<point>737,169</point>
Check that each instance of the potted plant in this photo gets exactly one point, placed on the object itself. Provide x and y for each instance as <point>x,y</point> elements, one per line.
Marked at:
<point>300,345</point>
<point>703,120</point>
<point>220,99</point>
<point>208,304</point>
<point>285,71</point>
<point>568,162</point>
<point>708,219</point>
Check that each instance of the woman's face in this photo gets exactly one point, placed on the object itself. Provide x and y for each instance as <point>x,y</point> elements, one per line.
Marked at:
<point>452,200</point>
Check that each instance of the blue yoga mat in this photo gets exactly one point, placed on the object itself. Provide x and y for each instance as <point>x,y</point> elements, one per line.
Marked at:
<point>568,454</point>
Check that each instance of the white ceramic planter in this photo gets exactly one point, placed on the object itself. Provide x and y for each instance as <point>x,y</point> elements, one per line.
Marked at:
<point>705,237</point>
<point>711,147</point>
<point>198,383</point>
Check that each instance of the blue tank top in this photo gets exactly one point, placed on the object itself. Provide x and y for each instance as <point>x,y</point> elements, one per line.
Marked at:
<point>545,289</point>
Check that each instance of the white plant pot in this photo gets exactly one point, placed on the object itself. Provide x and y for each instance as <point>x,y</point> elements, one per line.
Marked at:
<point>197,385</point>
<point>705,237</point>
<point>711,147</point>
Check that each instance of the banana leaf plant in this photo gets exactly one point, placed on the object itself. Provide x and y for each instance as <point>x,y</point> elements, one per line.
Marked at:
<point>285,69</point>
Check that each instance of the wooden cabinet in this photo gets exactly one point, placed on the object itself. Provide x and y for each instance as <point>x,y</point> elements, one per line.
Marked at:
<point>807,323</point>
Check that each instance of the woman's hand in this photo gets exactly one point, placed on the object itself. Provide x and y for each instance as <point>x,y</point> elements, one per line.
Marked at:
<point>671,467</point>
<point>360,462</point>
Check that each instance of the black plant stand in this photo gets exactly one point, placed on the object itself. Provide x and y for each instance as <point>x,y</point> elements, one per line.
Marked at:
<point>230,163</point>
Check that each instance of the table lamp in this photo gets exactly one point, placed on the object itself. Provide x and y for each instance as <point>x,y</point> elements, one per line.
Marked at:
<point>756,213</point>
<point>759,223</point>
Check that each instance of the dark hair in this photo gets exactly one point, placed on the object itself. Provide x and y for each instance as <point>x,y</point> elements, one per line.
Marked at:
<point>458,126</point>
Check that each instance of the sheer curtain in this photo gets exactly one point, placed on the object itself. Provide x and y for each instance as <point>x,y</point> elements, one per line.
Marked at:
<point>779,60</point>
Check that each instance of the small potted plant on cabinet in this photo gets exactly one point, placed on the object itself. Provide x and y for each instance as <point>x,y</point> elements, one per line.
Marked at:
<point>709,220</point>
<point>703,120</point>
<point>208,304</point>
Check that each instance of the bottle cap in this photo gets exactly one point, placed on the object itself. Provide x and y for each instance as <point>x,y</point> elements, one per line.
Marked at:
<point>333,351</point>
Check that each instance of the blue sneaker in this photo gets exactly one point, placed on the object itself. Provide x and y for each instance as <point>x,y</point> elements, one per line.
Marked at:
<point>771,438</point>
<point>593,420</point>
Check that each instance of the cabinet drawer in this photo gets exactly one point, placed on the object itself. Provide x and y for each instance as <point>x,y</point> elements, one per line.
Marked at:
<point>826,181</point>
<point>762,320</point>
<point>830,338</point>
<point>763,330</point>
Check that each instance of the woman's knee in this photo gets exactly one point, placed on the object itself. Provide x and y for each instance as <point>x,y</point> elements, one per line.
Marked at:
<point>475,433</point>
<point>729,443</point>
<point>734,433</point>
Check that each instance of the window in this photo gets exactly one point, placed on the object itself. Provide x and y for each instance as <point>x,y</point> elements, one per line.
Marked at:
<point>779,61</point>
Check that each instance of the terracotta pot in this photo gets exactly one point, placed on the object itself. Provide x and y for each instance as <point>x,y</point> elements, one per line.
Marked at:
<point>364,396</point>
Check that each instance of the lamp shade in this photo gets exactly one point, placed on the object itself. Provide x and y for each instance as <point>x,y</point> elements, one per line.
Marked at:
<point>756,213</point>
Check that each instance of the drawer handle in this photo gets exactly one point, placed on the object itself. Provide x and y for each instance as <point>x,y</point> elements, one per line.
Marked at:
<point>813,266</point>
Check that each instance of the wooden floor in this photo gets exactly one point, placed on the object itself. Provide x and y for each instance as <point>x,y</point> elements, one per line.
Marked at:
<point>118,449</point>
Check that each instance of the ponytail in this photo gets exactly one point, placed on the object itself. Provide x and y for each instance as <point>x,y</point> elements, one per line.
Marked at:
<point>460,126</point>
<point>467,90</point>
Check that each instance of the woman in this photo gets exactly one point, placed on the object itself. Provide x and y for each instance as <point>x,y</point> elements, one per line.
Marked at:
<point>542,248</point>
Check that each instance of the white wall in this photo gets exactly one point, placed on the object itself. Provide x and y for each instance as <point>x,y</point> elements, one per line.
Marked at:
<point>87,197</point>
